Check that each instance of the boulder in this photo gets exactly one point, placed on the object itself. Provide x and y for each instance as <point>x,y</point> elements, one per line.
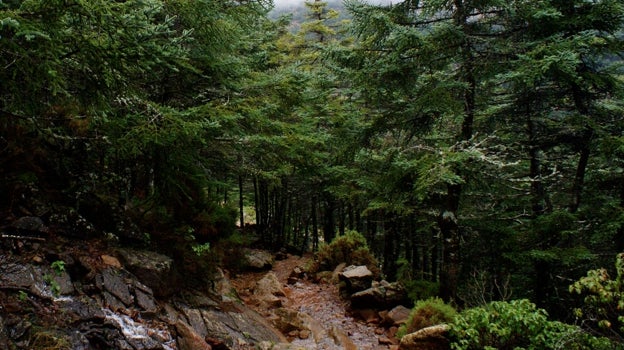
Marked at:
<point>152,269</point>
<point>111,281</point>
<point>256,259</point>
<point>296,274</point>
<point>381,295</point>
<point>188,339</point>
<point>356,278</point>
<point>288,321</point>
<point>396,316</point>
<point>429,338</point>
<point>29,225</point>
<point>268,290</point>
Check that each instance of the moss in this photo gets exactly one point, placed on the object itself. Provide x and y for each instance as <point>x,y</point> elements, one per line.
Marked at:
<point>426,313</point>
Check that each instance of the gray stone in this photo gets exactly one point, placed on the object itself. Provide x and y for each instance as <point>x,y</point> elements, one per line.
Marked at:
<point>429,338</point>
<point>29,224</point>
<point>356,278</point>
<point>152,269</point>
<point>111,280</point>
<point>381,295</point>
<point>258,259</point>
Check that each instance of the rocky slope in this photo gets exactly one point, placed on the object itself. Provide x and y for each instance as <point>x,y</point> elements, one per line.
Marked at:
<point>56,293</point>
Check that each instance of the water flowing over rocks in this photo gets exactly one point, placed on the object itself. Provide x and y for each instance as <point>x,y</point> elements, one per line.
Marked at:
<point>86,297</point>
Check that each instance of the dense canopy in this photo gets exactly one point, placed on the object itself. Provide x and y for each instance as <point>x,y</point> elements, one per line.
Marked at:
<point>476,144</point>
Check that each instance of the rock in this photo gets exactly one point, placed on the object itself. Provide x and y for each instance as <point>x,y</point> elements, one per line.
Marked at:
<point>341,339</point>
<point>26,277</point>
<point>304,334</point>
<point>29,224</point>
<point>222,286</point>
<point>288,320</point>
<point>152,269</point>
<point>385,341</point>
<point>111,281</point>
<point>335,276</point>
<point>296,274</point>
<point>267,291</point>
<point>396,316</point>
<point>81,310</point>
<point>367,315</point>
<point>110,261</point>
<point>145,301</point>
<point>357,278</point>
<point>188,339</point>
<point>429,338</point>
<point>381,295</point>
<point>258,259</point>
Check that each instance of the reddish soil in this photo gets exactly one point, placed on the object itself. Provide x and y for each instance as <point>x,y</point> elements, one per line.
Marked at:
<point>319,300</point>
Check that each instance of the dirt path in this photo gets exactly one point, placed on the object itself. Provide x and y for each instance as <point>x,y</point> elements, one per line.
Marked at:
<point>321,302</point>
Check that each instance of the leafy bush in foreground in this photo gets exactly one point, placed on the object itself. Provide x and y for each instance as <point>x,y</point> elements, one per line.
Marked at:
<point>603,308</point>
<point>517,324</point>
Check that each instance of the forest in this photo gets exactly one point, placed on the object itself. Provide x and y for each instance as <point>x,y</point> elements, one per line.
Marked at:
<point>477,145</point>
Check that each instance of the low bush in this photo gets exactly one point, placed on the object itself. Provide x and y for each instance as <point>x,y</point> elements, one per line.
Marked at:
<point>517,324</point>
<point>350,248</point>
<point>426,313</point>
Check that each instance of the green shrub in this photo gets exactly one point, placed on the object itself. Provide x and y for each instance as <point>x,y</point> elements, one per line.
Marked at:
<point>416,288</point>
<point>517,324</point>
<point>427,313</point>
<point>603,308</point>
<point>350,248</point>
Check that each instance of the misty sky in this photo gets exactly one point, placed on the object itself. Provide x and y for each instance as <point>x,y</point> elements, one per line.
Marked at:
<point>279,3</point>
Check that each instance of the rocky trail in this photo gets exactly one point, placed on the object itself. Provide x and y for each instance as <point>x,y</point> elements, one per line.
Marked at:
<point>316,317</point>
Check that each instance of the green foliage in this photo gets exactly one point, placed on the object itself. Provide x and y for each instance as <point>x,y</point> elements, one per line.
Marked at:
<point>429,312</point>
<point>49,340</point>
<point>517,324</point>
<point>58,267</point>
<point>350,248</point>
<point>417,289</point>
<point>603,307</point>
<point>421,289</point>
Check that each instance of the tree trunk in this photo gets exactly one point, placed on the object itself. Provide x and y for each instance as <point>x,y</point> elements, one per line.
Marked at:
<point>449,229</point>
<point>241,203</point>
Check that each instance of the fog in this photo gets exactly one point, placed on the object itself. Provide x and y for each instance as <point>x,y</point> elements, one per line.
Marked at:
<point>284,3</point>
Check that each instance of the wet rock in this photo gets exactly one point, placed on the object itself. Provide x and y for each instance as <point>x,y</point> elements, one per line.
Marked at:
<point>429,338</point>
<point>29,225</point>
<point>152,269</point>
<point>81,310</point>
<point>25,277</point>
<point>111,281</point>
<point>258,259</point>
<point>17,327</point>
<point>357,278</point>
<point>145,301</point>
<point>62,281</point>
<point>4,337</point>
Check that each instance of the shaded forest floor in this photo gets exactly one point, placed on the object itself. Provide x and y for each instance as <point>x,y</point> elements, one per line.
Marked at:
<point>321,301</point>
